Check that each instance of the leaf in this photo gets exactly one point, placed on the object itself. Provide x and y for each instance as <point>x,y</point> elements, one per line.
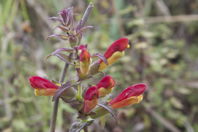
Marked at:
<point>59,36</point>
<point>62,49</point>
<point>109,110</point>
<point>62,57</point>
<point>62,89</point>
<point>84,29</point>
<point>78,126</point>
<point>99,55</point>
<point>63,28</point>
<point>55,19</point>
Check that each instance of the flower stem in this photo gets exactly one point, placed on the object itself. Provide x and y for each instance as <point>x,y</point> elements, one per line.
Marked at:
<point>56,102</point>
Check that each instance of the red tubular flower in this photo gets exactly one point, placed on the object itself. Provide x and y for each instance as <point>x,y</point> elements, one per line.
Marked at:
<point>114,52</point>
<point>90,99</point>
<point>85,60</point>
<point>42,86</point>
<point>105,85</point>
<point>130,95</point>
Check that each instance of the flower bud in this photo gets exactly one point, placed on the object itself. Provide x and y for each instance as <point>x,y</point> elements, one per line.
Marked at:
<point>42,86</point>
<point>105,86</point>
<point>129,96</point>
<point>90,99</point>
<point>114,52</point>
<point>85,60</point>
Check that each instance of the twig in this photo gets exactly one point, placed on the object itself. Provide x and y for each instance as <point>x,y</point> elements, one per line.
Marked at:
<point>171,19</point>
<point>161,119</point>
<point>63,74</point>
<point>162,7</point>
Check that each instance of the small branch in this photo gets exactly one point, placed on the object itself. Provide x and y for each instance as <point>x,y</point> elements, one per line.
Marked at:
<point>162,7</point>
<point>171,19</point>
<point>64,72</point>
<point>161,119</point>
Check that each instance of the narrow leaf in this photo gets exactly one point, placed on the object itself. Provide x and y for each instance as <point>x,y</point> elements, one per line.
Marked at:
<point>59,36</point>
<point>99,55</point>
<point>63,28</point>
<point>62,49</point>
<point>109,110</point>
<point>55,19</point>
<point>62,89</point>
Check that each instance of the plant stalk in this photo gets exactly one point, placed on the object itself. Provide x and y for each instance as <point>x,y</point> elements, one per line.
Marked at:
<point>56,102</point>
<point>63,74</point>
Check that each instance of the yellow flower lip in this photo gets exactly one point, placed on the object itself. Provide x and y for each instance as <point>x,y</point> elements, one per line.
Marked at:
<point>128,46</point>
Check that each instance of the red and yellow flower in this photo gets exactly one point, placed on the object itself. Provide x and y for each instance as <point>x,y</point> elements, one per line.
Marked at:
<point>114,52</point>
<point>90,99</point>
<point>42,86</point>
<point>129,96</point>
<point>105,85</point>
<point>85,60</point>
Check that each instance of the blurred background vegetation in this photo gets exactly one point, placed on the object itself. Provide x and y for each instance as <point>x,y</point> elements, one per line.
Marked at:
<point>163,54</point>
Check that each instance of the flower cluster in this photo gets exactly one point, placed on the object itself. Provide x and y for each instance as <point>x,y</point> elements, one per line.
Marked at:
<point>93,93</point>
<point>78,56</point>
<point>131,95</point>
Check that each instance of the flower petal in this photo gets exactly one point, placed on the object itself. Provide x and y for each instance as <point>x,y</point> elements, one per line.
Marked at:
<point>45,92</point>
<point>111,60</point>
<point>119,45</point>
<point>91,93</point>
<point>89,105</point>
<point>129,101</point>
<point>41,83</point>
<point>134,90</point>
<point>105,85</point>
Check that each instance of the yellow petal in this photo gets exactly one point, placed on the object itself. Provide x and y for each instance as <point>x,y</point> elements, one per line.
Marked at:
<point>128,46</point>
<point>84,67</point>
<point>128,101</point>
<point>44,92</point>
<point>104,91</point>
<point>111,60</point>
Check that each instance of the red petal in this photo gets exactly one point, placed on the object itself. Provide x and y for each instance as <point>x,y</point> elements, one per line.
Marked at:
<point>89,105</point>
<point>85,56</point>
<point>41,83</point>
<point>106,82</point>
<point>91,93</point>
<point>81,47</point>
<point>134,90</point>
<point>118,45</point>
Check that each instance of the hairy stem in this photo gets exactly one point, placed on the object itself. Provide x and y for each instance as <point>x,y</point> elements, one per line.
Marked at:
<point>63,74</point>
<point>56,102</point>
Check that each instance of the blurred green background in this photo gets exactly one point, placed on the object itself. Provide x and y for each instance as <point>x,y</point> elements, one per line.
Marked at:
<point>163,54</point>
